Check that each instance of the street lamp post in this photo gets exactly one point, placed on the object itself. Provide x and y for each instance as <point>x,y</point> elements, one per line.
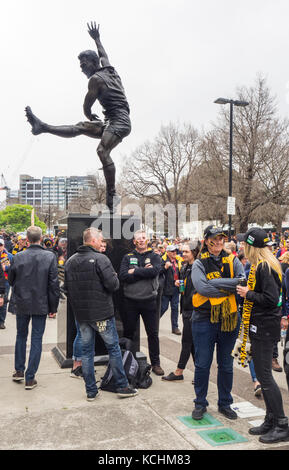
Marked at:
<point>240,104</point>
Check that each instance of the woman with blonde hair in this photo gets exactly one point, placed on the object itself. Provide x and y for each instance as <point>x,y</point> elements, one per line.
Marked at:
<point>262,316</point>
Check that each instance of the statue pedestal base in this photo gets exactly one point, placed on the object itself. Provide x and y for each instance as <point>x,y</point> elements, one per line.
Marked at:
<point>118,230</point>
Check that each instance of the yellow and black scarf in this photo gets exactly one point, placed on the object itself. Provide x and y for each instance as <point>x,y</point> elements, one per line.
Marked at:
<point>242,348</point>
<point>222,309</point>
<point>243,353</point>
<point>5,262</point>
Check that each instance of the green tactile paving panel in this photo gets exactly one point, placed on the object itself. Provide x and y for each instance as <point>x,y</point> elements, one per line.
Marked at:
<point>219,437</point>
<point>206,422</point>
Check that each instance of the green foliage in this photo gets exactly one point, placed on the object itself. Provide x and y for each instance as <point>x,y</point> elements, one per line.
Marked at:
<point>17,218</point>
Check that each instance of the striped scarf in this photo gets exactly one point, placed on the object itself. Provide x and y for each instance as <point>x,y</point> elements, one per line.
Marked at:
<point>5,261</point>
<point>244,350</point>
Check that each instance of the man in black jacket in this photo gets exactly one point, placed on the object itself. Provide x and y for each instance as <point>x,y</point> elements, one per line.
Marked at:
<point>139,272</point>
<point>33,276</point>
<point>90,281</point>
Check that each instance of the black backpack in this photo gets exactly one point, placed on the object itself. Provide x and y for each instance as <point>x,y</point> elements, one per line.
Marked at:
<point>144,379</point>
<point>131,368</point>
<point>138,374</point>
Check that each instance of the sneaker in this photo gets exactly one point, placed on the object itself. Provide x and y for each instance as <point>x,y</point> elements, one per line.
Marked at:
<point>92,396</point>
<point>158,370</point>
<point>18,376</point>
<point>228,412</point>
<point>76,373</point>
<point>30,384</point>
<point>198,413</point>
<point>126,392</point>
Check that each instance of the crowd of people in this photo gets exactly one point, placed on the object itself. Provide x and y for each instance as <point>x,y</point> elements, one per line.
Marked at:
<point>13,243</point>
<point>229,294</point>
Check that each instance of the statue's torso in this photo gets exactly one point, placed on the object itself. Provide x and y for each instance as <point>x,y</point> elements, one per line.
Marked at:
<point>112,94</point>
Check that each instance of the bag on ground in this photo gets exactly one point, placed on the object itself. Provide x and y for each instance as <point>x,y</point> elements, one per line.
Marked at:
<point>138,374</point>
<point>131,368</point>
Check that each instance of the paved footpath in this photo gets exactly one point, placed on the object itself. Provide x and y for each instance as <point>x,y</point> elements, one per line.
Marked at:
<point>56,416</point>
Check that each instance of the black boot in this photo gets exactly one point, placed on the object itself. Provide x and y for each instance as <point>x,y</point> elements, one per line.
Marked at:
<point>279,432</point>
<point>264,427</point>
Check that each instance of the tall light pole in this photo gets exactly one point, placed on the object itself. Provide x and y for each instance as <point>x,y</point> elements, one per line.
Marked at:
<point>240,104</point>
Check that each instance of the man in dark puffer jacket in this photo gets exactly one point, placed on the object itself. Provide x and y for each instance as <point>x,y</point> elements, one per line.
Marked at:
<point>90,281</point>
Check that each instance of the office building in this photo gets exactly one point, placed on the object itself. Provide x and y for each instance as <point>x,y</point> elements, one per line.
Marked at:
<point>56,191</point>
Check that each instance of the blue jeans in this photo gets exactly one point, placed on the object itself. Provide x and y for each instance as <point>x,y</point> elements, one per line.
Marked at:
<point>111,341</point>
<point>174,300</point>
<point>252,371</point>
<point>205,336</point>
<point>3,309</point>
<point>77,344</point>
<point>38,327</point>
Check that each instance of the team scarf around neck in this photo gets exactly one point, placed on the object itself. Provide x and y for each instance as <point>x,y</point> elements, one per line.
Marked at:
<point>242,348</point>
<point>223,309</point>
<point>243,351</point>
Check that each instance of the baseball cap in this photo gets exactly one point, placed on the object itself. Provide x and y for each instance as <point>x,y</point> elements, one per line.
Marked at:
<point>47,242</point>
<point>2,241</point>
<point>171,248</point>
<point>256,236</point>
<point>213,231</point>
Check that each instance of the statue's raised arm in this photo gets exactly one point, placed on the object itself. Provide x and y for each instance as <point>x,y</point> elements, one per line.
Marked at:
<point>93,31</point>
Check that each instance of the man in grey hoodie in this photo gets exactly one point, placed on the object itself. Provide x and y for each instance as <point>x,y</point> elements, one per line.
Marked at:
<point>139,274</point>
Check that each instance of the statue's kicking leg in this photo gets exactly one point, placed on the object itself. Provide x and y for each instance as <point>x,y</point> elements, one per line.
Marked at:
<point>92,129</point>
<point>107,143</point>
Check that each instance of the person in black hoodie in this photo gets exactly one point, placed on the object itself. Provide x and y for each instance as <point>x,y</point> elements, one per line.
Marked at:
<point>263,300</point>
<point>90,281</point>
<point>189,254</point>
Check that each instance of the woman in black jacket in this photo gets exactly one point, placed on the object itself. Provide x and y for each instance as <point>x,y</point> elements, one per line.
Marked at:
<point>189,254</point>
<point>262,306</point>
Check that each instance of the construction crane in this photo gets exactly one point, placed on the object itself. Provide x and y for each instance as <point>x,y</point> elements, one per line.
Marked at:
<point>3,184</point>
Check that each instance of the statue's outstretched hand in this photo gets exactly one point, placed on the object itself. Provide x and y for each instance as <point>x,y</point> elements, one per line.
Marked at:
<point>93,30</point>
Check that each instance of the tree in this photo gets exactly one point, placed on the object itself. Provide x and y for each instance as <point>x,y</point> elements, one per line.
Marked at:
<point>18,218</point>
<point>158,171</point>
<point>260,160</point>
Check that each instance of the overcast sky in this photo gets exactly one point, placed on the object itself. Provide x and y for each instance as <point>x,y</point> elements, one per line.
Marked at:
<point>175,57</point>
